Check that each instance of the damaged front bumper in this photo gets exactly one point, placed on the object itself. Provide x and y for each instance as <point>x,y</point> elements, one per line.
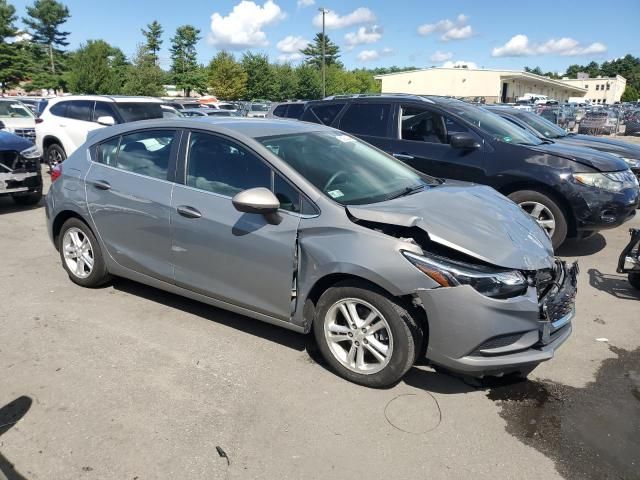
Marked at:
<point>20,183</point>
<point>476,335</point>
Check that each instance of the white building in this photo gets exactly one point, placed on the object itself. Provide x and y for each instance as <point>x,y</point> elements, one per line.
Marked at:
<point>600,90</point>
<point>496,86</point>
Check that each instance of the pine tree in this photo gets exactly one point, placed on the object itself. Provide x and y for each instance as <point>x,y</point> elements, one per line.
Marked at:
<point>45,19</point>
<point>143,76</point>
<point>13,56</point>
<point>153,36</point>
<point>187,74</point>
<point>313,52</point>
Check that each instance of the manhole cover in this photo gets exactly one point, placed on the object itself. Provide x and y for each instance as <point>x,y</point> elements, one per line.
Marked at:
<point>413,413</point>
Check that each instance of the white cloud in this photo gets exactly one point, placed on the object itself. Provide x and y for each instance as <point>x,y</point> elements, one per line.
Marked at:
<point>305,3</point>
<point>243,27</point>
<point>440,56</point>
<point>290,47</point>
<point>289,57</point>
<point>21,37</point>
<point>334,21</point>
<point>371,55</point>
<point>363,35</point>
<point>457,29</point>
<point>519,46</point>
<point>460,64</point>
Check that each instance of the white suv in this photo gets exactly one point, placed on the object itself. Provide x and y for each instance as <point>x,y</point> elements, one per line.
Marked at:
<point>65,121</point>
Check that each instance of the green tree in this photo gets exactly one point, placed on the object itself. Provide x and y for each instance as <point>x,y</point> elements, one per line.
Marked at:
<point>153,36</point>
<point>313,52</point>
<point>631,94</point>
<point>45,20</point>
<point>13,56</point>
<point>286,82</point>
<point>261,83</point>
<point>96,68</point>
<point>187,74</point>
<point>144,77</point>
<point>309,83</point>
<point>535,70</point>
<point>227,78</point>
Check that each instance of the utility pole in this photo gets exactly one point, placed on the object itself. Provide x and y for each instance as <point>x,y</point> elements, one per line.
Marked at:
<point>324,42</point>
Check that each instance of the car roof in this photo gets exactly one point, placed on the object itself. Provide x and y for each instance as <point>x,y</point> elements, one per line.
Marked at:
<point>247,127</point>
<point>391,97</point>
<point>108,98</point>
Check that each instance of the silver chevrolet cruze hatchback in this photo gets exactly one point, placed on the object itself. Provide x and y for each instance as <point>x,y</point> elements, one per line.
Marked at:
<point>308,228</point>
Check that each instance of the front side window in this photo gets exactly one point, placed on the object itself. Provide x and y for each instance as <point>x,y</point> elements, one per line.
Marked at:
<point>344,169</point>
<point>80,110</point>
<point>145,153</point>
<point>280,110</point>
<point>135,111</point>
<point>423,125</point>
<point>107,152</point>
<point>366,119</point>
<point>295,110</point>
<point>220,166</point>
<point>103,109</point>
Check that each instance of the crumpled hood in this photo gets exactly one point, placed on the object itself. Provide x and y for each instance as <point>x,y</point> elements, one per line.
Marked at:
<point>473,219</point>
<point>9,141</point>
<point>605,162</point>
<point>615,147</point>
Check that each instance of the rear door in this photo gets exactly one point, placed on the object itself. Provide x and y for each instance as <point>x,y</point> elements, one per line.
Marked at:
<point>128,191</point>
<point>421,139</point>
<point>238,258</point>
<point>369,121</point>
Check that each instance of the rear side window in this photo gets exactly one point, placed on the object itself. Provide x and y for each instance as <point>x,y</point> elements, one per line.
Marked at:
<point>295,110</point>
<point>59,109</point>
<point>280,110</point>
<point>324,114</point>
<point>132,112</point>
<point>366,119</point>
<point>145,153</point>
<point>80,110</point>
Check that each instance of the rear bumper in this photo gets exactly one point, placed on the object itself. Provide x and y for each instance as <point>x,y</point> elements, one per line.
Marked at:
<point>475,335</point>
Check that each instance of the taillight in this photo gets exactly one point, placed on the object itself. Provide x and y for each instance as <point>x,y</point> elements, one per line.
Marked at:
<point>56,173</point>
<point>39,120</point>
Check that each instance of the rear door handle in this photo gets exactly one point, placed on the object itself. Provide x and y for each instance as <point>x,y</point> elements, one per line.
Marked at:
<point>403,156</point>
<point>102,185</point>
<point>189,212</point>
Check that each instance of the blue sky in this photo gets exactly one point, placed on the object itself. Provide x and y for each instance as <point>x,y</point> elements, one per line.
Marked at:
<point>491,34</point>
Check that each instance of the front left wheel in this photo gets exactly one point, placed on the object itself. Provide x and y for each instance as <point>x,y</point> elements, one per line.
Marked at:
<point>81,255</point>
<point>366,335</point>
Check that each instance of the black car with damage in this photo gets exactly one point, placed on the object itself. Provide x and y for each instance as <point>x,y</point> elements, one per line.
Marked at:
<point>20,172</point>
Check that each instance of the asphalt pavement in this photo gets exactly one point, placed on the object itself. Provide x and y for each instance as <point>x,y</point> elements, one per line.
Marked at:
<point>129,382</point>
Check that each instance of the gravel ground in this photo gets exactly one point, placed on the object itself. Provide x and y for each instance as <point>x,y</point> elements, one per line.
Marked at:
<point>128,382</point>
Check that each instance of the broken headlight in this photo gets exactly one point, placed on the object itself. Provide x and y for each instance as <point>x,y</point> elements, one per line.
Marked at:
<point>494,283</point>
<point>31,153</point>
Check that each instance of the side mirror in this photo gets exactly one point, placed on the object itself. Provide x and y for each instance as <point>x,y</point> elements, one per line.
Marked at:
<point>258,200</point>
<point>464,141</point>
<point>107,120</point>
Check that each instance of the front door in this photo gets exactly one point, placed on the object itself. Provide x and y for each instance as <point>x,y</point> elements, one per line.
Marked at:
<point>239,258</point>
<point>129,198</point>
<point>423,143</point>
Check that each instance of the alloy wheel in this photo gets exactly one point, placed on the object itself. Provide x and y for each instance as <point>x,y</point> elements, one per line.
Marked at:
<point>78,252</point>
<point>358,336</point>
<point>542,215</point>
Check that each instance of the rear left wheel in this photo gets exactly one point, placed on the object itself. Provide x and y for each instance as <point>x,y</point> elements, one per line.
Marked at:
<point>366,335</point>
<point>81,255</point>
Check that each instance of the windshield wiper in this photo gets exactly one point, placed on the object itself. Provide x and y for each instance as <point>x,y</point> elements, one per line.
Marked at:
<point>406,191</point>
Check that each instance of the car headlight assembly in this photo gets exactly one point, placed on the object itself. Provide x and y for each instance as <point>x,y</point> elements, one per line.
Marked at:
<point>31,153</point>
<point>488,281</point>
<point>611,182</point>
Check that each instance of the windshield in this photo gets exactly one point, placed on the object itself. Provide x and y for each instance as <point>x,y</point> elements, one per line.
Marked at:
<point>345,169</point>
<point>258,107</point>
<point>541,125</point>
<point>132,112</point>
<point>496,126</point>
<point>14,110</point>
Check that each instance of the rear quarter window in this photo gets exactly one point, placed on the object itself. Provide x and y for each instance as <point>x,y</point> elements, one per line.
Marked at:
<point>366,119</point>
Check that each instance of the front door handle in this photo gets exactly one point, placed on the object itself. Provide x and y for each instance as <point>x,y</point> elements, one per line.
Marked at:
<point>102,185</point>
<point>189,212</point>
<point>403,156</point>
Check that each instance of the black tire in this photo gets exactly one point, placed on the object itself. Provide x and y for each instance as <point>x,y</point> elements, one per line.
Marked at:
<point>634,280</point>
<point>560,217</point>
<point>55,154</point>
<point>407,335</point>
<point>98,275</point>
<point>30,199</point>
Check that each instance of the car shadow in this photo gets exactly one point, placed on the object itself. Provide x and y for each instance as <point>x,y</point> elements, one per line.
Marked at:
<point>616,285</point>
<point>242,323</point>
<point>7,205</point>
<point>582,248</point>
<point>11,414</point>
